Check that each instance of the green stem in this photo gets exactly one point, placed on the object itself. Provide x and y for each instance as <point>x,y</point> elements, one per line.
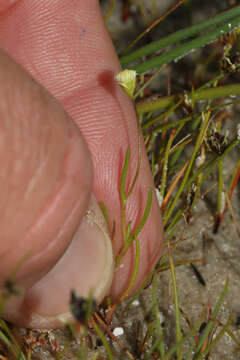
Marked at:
<point>208,329</point>
<point>189,168</point>
<point>147,83</point>
<point>215,161</point>
<point>135,270</point>
<point>217,338</point>
<point>103,339</point>
<point>189,335</point>
<point>110,10</point>
<point>165,163</point>
<point>176,304</point>
<point>151,104</point>
<point>164,114</point>
<point>174,221</point>
<point>220,206</point>
<point>158,322</point>
<point>123,195</point>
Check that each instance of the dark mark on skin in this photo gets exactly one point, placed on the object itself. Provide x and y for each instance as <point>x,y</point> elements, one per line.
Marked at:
<point>83,32</point>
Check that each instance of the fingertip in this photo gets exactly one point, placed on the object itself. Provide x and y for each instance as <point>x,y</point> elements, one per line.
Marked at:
<point>46,177</point>
<point>87,266</point>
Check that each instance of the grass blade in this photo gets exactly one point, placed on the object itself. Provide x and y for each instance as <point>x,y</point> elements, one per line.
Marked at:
<point>179,36</point>
<point>176,303</point>
<point>217,338</point>
<point>189,168</point>
<point>182,50</point>
<point>211,323</point>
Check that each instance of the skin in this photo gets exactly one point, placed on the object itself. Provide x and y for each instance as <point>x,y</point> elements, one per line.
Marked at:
<point>65,127</point>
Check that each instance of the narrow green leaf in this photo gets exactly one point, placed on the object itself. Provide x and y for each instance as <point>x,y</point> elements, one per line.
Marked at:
<point>179,36</point>
<point>184,339</point>
<point>124,175</point>
<point>182,50</point>
<point>104,212</point>
<point>172,205</point>
<point>135,270</point>
<point>145,215</point>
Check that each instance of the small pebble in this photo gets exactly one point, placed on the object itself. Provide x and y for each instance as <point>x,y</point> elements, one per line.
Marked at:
<point>238,131</point>
<point>135,303</point>
<point>118,331</point>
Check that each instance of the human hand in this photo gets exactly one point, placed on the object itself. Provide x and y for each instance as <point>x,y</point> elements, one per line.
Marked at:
<point>47,163</point>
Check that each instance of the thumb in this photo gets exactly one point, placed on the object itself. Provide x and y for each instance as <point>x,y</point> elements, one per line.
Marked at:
<point>47,209</point>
